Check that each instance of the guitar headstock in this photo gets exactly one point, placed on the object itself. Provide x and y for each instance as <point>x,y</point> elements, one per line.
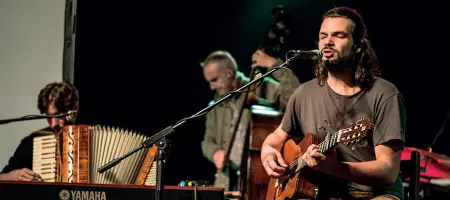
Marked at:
<point>355,132</point>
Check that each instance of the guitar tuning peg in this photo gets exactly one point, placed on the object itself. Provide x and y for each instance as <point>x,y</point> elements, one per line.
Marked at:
<point>353,147</point>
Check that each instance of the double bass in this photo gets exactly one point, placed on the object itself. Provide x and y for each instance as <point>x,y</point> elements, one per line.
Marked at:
<point>252,178</point>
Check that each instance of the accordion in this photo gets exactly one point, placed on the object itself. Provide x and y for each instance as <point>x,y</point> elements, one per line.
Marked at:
<point>75,154</point>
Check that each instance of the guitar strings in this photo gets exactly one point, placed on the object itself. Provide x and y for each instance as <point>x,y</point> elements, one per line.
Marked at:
<point>295,162</point>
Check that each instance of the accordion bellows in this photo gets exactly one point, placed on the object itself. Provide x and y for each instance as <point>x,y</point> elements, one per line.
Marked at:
<point>75,154</point>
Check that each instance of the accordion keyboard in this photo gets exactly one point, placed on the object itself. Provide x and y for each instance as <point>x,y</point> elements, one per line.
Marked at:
<point>44,157</point>
<point>151,177</point>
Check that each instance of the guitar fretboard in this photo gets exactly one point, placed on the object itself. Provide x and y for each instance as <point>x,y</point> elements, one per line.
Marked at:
<point>330,141</point>
<point>349,135</point>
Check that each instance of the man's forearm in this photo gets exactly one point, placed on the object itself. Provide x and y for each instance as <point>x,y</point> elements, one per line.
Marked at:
<point>273,140</point>
<point>366,173</point>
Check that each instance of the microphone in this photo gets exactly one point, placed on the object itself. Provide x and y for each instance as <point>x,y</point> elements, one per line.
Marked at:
<point>312,54</point>
<point>70,116</point>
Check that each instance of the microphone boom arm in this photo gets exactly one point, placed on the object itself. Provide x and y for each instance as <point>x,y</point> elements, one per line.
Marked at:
<point>162,143</point>
<point>34,117</point>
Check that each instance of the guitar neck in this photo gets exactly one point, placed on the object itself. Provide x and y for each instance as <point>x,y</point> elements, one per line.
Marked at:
<point>329,142</point>
<point>349,135</point>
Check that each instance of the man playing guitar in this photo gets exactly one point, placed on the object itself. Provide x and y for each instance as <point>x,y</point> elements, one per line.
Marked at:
<point>345,90</point>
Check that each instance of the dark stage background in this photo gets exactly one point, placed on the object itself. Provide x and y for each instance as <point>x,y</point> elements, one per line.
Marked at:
<point>137,63</point>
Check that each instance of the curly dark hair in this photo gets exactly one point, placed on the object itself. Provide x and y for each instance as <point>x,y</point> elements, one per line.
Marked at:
<point>62,94</point>
<point>364,62</point>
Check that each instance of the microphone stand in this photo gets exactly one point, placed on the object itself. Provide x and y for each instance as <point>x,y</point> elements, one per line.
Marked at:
<point>163,143</point>
<point>34,117</point>
<point>441,130</point>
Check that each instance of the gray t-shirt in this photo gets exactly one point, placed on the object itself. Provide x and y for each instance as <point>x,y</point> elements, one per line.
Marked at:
<point>311,104</point>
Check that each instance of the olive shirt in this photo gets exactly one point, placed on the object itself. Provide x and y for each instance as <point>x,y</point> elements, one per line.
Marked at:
<point>217,129</point>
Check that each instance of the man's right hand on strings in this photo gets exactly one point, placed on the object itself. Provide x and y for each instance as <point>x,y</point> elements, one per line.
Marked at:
<point>274,163</point>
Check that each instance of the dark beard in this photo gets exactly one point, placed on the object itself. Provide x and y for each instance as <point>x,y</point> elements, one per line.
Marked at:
<point>338,66</point>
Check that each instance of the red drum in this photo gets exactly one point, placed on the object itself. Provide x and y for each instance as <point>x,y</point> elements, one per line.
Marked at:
<point>438,166</point>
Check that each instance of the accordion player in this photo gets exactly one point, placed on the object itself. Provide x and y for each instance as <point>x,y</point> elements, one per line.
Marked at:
<point>75,154</point>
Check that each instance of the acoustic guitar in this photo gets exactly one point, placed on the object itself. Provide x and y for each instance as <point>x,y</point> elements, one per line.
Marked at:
<point>297,186</point>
